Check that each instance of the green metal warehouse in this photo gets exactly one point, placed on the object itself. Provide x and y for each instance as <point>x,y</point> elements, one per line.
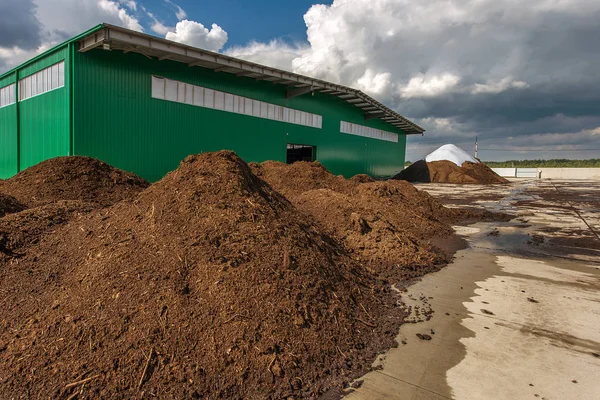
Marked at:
<point>142,104</point>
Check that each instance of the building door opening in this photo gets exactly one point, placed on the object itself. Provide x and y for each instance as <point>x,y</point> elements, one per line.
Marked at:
<point>301,152</point>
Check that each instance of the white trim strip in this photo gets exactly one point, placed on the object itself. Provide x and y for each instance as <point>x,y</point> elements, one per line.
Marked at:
<point>181,92</point>
<point>366,131</point>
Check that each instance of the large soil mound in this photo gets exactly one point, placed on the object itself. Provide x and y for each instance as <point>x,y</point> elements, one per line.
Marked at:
<point>386,224</point>
<point>449,172</point>
<point>72,178</point>
<point>208,285</point>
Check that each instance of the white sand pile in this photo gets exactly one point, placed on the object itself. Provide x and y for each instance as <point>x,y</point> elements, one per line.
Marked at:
<point>450,152</point>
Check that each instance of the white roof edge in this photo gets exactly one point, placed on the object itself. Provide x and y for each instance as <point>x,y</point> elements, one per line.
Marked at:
<point>151,46</point>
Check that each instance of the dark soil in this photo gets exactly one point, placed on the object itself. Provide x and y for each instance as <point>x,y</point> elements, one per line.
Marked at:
<point>22,230</point>
<point>72,178</point>
<point>209,284</point>
<point>448,172</point>
<point>9,205</point>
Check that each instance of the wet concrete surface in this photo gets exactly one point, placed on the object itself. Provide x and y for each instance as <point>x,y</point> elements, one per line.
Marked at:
<point>517,314</point>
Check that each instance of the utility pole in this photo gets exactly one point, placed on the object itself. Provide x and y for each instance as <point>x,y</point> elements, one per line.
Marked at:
<point>476,147</point>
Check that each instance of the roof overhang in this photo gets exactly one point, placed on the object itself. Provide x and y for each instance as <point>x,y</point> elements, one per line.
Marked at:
<point>116,38</point>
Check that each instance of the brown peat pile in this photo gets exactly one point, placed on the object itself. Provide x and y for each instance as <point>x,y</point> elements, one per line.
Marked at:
<point>385,224</point>
<point>72,178</point>
<point>209,284</point>
<point>448,172</point>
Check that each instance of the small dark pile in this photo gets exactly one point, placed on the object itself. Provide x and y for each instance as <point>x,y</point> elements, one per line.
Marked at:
<point>9,205</point>
<point>449,172</point>
<point>72,178</point>
<point>209,284</point>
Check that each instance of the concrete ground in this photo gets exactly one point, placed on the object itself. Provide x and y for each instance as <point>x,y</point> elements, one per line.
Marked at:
<point>517,315</point>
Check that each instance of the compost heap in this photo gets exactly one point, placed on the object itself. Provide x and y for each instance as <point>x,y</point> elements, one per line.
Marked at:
<point>450,164</point>
<point>39,199</point>
<point>208,284</point>
<point>72,178</point>
<point>385,224</point>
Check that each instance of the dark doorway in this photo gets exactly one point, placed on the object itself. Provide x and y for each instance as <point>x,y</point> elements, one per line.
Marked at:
<point>301,152</point>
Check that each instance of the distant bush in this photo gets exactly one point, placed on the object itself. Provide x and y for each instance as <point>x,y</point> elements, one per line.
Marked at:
<point>556,163</point>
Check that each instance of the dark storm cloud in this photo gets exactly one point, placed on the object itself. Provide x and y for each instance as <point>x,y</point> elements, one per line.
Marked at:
<point>19,26</point>
<point>560,60</point>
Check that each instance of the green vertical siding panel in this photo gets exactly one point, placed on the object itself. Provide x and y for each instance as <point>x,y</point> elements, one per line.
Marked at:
<point>44,126</point>
<point>8,141</point>
<point>8,134</point>
<point>119,122</point>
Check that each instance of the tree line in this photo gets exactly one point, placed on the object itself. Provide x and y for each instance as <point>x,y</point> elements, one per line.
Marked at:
<point>554,163</point>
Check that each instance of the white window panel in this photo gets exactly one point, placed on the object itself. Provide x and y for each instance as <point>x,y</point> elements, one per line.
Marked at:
<point>219,100</point>
<point>47,76</point>
<point>209,98</point>
<point>28,93</point>
<point>198,96</point>
<point>279,113</point>
<point>238,104</point>
<point>286,114</point>
<point>189,94</point>
<point>7,95</point>
<point>247,106</point>
<point>35,85</point>
<point>54,77</point>
<point>256,107</point>
<point>228,102</point>
<point>171,90</point>
<point>271,111</point>
<point>61,74</point>
<point>181,92</point>
<point>158,88</point>
<point>264,110</point>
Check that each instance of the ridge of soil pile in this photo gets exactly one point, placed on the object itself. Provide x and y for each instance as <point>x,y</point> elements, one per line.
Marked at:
<point>22,230</point>
<point>362,178</point>
<point>209,284</point>
<point>9,205</point>
<point>72,178</point>
<point>449,172</point>
<point>385,224</point>
<point>301,176</point>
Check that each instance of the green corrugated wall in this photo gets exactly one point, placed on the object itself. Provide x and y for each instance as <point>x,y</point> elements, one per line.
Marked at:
<point>8,135</point>
<point>44,120</point>
<point>117,120</point>
<point>37,128</point>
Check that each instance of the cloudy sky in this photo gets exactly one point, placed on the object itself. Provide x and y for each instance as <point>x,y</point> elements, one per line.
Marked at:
<point>522,76</point>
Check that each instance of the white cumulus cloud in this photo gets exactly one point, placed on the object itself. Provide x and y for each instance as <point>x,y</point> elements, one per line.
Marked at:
<point>275,53</point>
<point>377,84</point>
<point>498,86</point>
<point>195,34</point>
<point>429,86</point>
